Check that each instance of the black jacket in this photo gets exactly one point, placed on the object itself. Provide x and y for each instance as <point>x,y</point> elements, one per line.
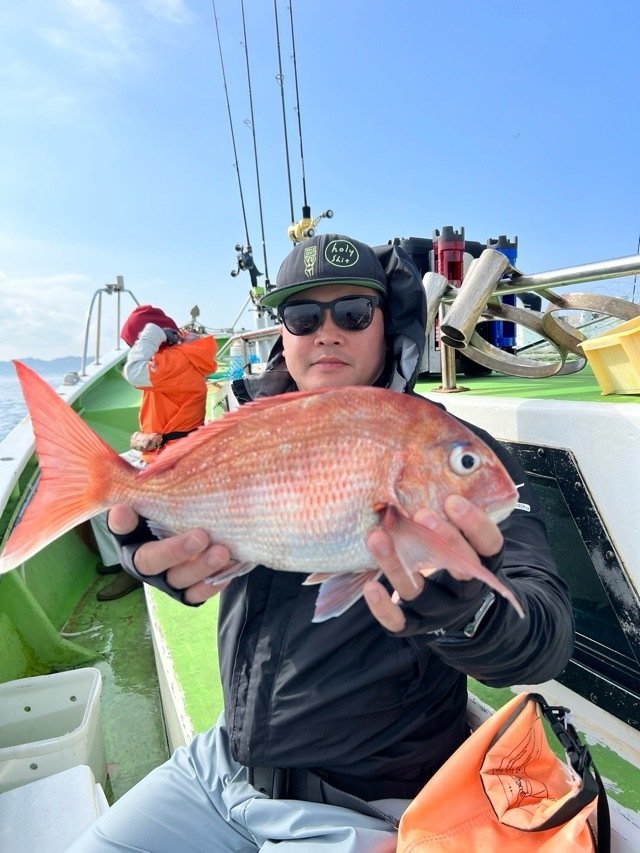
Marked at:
<point>374,713</point>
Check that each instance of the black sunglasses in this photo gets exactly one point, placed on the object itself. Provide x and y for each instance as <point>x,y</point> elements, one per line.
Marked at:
<point>351,313</point>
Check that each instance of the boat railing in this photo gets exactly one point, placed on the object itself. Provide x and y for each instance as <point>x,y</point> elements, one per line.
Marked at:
<point>249,347</point>
<point>478,298</point>
<point>118,289</point>
<point>487,279</point>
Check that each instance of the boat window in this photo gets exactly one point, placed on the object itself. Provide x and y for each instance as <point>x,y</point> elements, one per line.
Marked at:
<point>605,667</point>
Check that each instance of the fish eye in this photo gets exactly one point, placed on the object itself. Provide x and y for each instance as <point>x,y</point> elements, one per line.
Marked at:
<point>463,461</point>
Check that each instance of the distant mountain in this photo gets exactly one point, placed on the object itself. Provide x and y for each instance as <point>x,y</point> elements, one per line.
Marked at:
<point>45,368</point>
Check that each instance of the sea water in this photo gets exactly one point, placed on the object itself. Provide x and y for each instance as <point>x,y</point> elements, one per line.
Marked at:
<point>12,405</point>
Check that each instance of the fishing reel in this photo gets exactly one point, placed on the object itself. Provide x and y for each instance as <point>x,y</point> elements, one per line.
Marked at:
<point>245,261</point>
<point>306,227</point>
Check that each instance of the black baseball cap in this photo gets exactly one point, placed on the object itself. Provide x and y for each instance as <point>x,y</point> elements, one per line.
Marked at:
<point>326,259</point>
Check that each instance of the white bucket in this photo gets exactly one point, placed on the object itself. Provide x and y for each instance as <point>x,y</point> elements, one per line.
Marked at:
<point>48,815</point>
<point>50,723</point>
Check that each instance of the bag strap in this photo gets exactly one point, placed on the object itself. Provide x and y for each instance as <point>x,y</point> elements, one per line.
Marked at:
<point>582,762</point>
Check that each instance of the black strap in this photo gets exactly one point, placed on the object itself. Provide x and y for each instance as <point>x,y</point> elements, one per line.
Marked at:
<point>171,436</point>
<point>582,762</point>
<point>296,783</point>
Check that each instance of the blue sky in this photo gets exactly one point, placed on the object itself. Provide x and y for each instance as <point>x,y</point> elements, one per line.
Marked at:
<point>115,152</point>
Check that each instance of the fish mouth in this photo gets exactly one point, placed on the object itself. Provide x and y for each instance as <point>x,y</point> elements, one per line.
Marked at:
<point>500,510</point>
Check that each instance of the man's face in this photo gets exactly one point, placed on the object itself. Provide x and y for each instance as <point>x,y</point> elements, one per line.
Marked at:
<point>332,357</point>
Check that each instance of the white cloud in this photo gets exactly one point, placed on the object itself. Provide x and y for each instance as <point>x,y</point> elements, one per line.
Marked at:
<point>173,11</point>
<point>93,53</point>
<point>95,32</point>
<point>31,92</point>
<point>100,13</point>
<point>45,316</point>
<point>55,65</point>
<point>57,60</point>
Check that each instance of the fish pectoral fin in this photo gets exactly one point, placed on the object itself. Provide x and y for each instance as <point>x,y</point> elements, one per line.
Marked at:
<point>338,592</point>
<point>231,572</point>
<point>422,550</point>
<point>317,577</point>
<point>416,547</point>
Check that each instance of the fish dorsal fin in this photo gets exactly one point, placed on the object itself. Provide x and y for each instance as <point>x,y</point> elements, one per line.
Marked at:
<point>177,450</point>
<point>281,399</point>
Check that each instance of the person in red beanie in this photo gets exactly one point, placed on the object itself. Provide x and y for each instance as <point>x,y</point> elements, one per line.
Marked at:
<point>138,319</point>
<point>170,366</point>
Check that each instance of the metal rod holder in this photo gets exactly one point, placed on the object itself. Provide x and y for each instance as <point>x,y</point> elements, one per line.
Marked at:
<point>475,291</point>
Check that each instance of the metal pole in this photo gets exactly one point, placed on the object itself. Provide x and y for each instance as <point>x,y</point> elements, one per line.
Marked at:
<point>447,362</point>
<point>615,268</point>
<point>119,289</point>
<point>98,324</point>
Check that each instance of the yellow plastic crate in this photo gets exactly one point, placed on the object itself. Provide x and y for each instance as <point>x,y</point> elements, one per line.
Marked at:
<point>615,358</point>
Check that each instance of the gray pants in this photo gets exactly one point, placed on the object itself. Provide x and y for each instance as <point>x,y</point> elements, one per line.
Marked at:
<point>200,800</point>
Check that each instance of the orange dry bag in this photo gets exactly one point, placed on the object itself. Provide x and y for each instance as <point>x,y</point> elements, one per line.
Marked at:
<point>505,789</point>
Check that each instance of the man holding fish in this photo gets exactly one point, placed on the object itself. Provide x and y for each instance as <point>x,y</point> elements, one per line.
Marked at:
<point>345,678</point>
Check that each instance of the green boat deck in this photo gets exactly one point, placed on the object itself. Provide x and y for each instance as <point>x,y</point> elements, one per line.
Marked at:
<point>580,387</point>
<point>188,637</point>
<point>117,632</point>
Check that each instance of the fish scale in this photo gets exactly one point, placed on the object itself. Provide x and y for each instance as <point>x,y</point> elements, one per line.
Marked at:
<point>294,482</point>
<point>299,530</point>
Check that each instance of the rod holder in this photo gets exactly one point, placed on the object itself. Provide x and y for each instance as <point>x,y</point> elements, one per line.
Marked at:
<point>435,286</point>
<point>477,287</point>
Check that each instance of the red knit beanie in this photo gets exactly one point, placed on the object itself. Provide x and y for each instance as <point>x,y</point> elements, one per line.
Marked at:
<point>138,319</point>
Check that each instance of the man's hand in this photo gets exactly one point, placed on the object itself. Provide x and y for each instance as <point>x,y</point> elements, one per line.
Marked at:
<point>187,558</point>
<point>468,529</point>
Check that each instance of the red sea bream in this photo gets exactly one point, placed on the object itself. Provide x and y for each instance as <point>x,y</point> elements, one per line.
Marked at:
<point>294,482</point>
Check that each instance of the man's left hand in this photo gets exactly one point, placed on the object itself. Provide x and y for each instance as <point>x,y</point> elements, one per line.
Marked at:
<point>467,528</point>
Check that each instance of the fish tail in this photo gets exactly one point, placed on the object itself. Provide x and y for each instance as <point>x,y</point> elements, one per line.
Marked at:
<point>78,471</point>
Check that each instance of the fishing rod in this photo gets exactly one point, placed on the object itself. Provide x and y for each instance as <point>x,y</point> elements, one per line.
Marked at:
<point>304,227</point>
<point>305,204</point>
<point>244,259</point>
<point>280,79</point>
<point>255,145</point>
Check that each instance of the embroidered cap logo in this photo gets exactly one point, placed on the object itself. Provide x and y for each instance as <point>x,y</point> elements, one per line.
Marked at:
<point>341,253</point>
<point>309,258</point>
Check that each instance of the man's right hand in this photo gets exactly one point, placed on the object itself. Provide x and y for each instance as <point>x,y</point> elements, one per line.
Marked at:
<point>187,558</point>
